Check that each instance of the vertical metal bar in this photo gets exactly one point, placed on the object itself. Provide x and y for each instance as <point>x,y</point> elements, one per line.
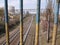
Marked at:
<point>56,13</point>
<point>37,23</point>
<point>21,22</point>
<point>6,22</point>
<point>48,26</point>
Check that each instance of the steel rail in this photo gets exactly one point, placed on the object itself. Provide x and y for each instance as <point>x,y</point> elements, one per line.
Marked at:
<point>26,34</point>
<point>4,43</point>
<point>16,33</point>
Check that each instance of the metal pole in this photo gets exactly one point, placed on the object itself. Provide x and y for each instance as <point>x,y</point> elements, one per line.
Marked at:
<point>21,22</point>
<point>48,26</point>
<point>56,13</point>
<point>6,22</point>
<point>37,23</point>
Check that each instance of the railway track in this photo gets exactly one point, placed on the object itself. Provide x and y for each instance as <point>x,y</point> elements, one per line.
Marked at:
<point>25,33</point>
<point>16,35</point>
<point>31,35</point>
<point>11,35</point>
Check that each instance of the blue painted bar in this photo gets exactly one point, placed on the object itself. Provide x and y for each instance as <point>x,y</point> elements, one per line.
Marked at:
<point>6,11</point>
<point>38,12</point>
<point>21,10</point>
<point>56,12</point>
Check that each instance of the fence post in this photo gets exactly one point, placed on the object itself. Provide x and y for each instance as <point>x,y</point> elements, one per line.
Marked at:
<point>6,22</point>
<point>37,23</point>
<point>21,22</point>
<point>56,13</point>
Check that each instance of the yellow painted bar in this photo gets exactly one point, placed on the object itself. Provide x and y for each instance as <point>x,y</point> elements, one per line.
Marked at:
<point>21,34</point>
<point>37,34</point>
<point>54,34</point>
<point>7,34</point>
